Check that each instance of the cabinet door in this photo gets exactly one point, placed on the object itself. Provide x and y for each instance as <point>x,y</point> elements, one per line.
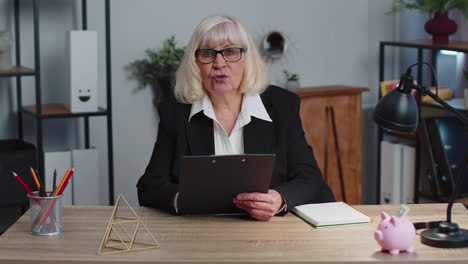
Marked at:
<point>348,121</point>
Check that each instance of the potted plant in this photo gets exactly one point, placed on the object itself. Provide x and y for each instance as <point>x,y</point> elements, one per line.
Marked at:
<point>440,26</point>
<point>158,69</point>
<point>292,80</point>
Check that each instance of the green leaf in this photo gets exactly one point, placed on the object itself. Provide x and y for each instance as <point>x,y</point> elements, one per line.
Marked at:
<point>291,76</point>
<point>430,6</point>
<point>158,64</point>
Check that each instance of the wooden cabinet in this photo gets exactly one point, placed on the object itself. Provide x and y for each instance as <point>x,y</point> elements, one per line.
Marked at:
<point>347,108</point>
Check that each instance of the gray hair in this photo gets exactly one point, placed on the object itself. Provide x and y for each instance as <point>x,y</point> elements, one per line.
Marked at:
<point>212,31</point>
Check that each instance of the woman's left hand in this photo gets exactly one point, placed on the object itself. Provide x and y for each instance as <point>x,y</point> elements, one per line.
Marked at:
<point>260,206</point>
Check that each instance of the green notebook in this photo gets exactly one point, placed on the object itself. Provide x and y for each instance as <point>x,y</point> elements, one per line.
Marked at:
<point>330,214</point>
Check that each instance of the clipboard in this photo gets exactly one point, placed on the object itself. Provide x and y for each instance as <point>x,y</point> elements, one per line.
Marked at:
<point>208,184</point>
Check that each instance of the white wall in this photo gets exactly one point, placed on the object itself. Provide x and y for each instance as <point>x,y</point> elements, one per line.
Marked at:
<point>332,42</point>
<point>7,125</point>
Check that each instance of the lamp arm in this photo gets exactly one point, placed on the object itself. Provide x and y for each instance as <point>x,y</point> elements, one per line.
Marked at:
<point>458,183</point>
<point>464,120</point>
<point>460,116</point>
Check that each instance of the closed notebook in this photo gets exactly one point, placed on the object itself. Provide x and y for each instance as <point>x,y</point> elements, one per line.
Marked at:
<point>330,214</point>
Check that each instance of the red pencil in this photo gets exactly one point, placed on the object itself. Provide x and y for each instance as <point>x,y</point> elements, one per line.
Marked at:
<point>18,178</point>
<point>23,184</point>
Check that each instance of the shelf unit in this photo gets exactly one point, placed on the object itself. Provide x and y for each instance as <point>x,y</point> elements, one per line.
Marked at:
<point>41,112</point>
<point>17,71</point>
<point>415,138</point>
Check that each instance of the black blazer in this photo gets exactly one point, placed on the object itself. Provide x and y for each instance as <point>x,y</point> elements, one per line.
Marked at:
<point>296,175</point>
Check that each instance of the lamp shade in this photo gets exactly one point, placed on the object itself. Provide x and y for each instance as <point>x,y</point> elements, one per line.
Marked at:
<point>398,111</point>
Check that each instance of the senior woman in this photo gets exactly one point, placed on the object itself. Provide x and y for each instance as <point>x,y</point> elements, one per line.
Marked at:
<point>225,106</point>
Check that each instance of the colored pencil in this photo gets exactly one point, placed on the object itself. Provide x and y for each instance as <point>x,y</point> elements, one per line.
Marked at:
<point>54,183</point>
<point>42,191</point>
<point>65,184</point>
<point>34,176</point>
<point>18,178</point>
<point>61,182</point>
<point>58,191</point>
<point>42,216</point>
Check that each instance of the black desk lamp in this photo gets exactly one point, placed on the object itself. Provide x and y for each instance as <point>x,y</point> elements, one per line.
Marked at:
<point>398,111</point>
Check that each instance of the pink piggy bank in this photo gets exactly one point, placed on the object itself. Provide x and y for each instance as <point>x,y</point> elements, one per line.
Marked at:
<point>395,234</point>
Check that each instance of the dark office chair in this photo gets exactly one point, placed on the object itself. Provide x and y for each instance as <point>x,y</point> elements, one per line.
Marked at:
<point>449,141</point>
<point>18,156</point>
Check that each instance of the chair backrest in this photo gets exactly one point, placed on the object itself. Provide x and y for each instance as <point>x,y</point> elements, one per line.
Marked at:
<point>17,156</point>
<point>449,140</point>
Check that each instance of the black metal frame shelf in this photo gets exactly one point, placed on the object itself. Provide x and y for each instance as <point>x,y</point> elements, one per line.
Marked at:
<point>427,44</point>
<point>396,135</point>
<point>40,111</point>
<point>438,106</point>
<point>420,45</point>
<point>63,113</point>
<point>17,71</point>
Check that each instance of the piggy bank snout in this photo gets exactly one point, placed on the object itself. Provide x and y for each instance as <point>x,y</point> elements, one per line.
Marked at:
<point>378,235</point>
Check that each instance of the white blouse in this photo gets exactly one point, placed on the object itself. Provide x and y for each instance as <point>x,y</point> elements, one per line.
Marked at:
<point>252,106</point>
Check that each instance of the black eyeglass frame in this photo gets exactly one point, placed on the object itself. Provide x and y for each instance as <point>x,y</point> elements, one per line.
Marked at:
<point>242,50</point>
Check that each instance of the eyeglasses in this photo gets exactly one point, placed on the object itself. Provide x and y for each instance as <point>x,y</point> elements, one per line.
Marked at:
<point>206,56</point>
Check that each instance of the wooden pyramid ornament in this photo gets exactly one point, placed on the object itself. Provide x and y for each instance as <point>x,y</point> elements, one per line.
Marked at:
<point>125,231</point>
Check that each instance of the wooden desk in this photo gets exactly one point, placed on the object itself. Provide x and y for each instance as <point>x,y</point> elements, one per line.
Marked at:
<point>226,239</point>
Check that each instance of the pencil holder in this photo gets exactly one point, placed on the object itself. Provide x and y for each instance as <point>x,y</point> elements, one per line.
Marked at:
<point>46,215</point>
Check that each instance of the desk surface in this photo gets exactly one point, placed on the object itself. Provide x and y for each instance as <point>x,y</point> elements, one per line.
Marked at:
<point>226,239</point>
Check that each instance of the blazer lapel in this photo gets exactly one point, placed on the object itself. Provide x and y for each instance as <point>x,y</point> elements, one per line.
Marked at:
<point>259,135</point>
<point>200,135</point>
